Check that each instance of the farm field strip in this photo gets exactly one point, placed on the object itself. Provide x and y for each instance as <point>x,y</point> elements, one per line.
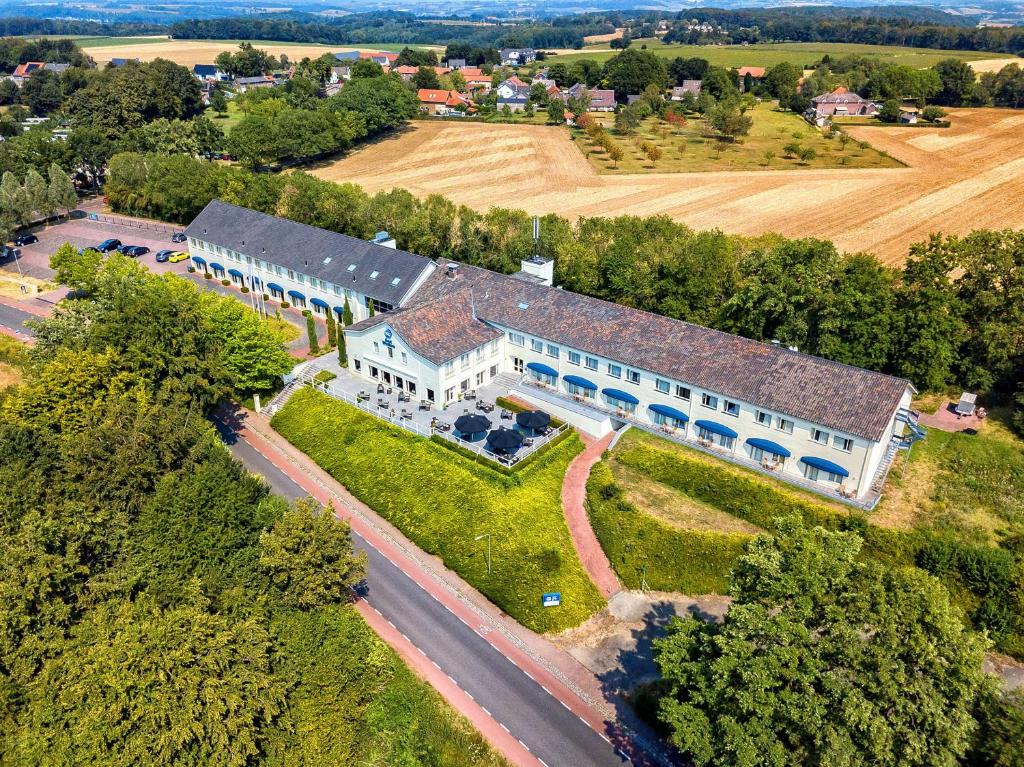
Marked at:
<point>880,210</point>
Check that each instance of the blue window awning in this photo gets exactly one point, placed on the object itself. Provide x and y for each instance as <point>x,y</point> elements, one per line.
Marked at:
<point>769,447</point>
<point>717,428</point>
<point>199,260</point>
<point>540,367</point>
<point>339,310</point>
<point>275,286</point>
<point>582,382</point>
<point>235,273</point>
<point>216,267</point>
<point>319,302</point>
<point>670,412</point>
<point>296,294</point>
<point>824,465</point>
<point>621,396</point>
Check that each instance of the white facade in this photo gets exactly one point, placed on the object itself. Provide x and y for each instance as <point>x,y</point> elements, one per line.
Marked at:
<point>261,275</point>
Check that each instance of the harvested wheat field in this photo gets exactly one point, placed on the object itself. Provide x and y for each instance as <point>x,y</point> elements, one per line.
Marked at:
<point>968,176</point>
<point>190,52</point>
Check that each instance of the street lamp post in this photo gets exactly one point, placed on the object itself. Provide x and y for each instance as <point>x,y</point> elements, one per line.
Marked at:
<point>488,537</point>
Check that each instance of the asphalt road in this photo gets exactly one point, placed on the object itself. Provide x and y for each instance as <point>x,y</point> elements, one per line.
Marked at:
<point>536,718</point>
<point>14,318</point>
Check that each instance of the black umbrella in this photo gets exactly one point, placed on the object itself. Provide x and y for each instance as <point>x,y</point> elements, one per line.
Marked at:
<point>505,440</point>
<point>472,424</point>
<point>534,420</point>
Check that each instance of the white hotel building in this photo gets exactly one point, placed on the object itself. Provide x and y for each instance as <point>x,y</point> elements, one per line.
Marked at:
<point>444,328</point>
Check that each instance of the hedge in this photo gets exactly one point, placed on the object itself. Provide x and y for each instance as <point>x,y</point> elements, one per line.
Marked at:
<point>689,561</point>
<point>442,502</point>
<point>500,468</point>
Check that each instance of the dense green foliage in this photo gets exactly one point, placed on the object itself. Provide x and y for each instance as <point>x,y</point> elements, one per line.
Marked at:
<point>157,605</point>
<point>645,551</point>
<point>442,502</point>
<point>823,659</point>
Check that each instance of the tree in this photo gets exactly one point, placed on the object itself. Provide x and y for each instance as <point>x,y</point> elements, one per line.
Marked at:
<point>342,351</point>
<point>769,155</point>
<point>15,207</point>
<point>632,71</point>
<point>807,154</point>
<point>958,79</point>
<point>426,77</point>
<point>822,659</point>
<point>781,80</point>
<point>890,111</point>
<point>219,102</point>
<point>346,314</point>
<point>726,118</point>
<point>681,69</point>
<point>653,151</point>
<point>61,191</point>
<point>246,62</point>
<point>254,141</point>
<point>932,114</point>
<point>366,69</point>
<point>332,329</point>
<point>78,272</point>
<point>1000,738</point>
<point>36,195</point>
<point>92,149</point>
<point>314,344</point>
<point>309,555</point>
<point>384,103</point>
<point>615,154</point>
<point>253,354</point>
<point>42,93</point>
<point>626,121</point>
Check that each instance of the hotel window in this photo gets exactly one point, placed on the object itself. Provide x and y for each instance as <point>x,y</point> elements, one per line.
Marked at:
<point>682,392</point>
<point>464,361</point>
<point>278,270</point>
<point>574,358</point>
<point>784,424</point>
<point>337,290</point>
<point>480,378</point>
<point>663,386</point>
<point>314,282</point>
<point>494,371</point>
<point>517,339</point>
<point>494,347</point>
<point>815,475</point>
<point>373,372</point>
<point>405,358</point>
<point>449,394</point>
<point>553,351</point>
<point>708,401</point>
<point>291,275</point>
<point>261,264</point>
<point>358,364</point>
<point>449,366</point>
<point>300,279</point>
<point>430,395</point>
<point>763,418</point>
<point>819,436</point>
<point>479,352</point>
<point>412,387</point>
<point>732,408</point>
<point>591,363</point>
<point>614,371</point>
<point>842,443</point>
<point>376,348</point>
<point>538,346</point>
<point>633,376</point>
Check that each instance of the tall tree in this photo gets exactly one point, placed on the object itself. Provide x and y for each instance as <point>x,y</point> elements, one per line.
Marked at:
<point>36,195</point>
<point>823,660</point>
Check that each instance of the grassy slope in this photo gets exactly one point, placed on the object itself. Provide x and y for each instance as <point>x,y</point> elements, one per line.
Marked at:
<point>442,501</point>
<point>801,54</point>
<point>688,151</point>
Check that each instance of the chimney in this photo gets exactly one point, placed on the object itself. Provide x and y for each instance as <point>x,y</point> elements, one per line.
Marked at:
<point>537,266</point>
<point>452,270</point>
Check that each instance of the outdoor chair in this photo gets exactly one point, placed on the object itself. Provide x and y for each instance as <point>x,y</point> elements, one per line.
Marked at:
<point>407,414</point>
<point>471,394</point>
<point>424,404</point>
<point>381,402</point>
<point>380,388</point>
<point>506,415</point>
<point>528,442</point>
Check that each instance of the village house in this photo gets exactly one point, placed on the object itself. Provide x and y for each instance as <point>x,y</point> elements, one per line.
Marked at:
<point>407,72</point>
<point>24,71</point>
<point>205,72</point>
<point>243,84</point>
<point>120,62</point>
<point>517,57</point>
<point>755,73</point>
<point>513,86</point>
<point>455,63</point>
<point>443,102</point>
<point>679,92</point>
<point>839,103</point>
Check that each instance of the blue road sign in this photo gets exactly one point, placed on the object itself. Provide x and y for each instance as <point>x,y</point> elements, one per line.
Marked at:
<point>553,599</point>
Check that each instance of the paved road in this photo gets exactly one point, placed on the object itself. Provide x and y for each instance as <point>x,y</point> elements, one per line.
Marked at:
<point>552,733</point>
<point>13,319</point>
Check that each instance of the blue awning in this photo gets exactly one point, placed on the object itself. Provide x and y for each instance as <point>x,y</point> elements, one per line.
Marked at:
<point>199,260</point>
<point>540,367</point>
<point>621,396</point>
<point>296,294</point>
<point>717,428</point>
<point>235,273</point>
<point>275,286</point>
<point>319,302</point>
<point>670,412</point>
<point>583,383</point>
<point>216,267</point>
<point>339,310</point>
<point>769,447</point>
<point>821,463</point>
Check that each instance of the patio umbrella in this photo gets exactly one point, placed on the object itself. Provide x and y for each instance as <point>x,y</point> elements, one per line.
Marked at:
<point>505,440</point>
<point>534,420</point>
<point>472,424</point>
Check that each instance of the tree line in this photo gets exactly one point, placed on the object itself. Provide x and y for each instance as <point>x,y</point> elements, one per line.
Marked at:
<point>953,316</point>
<point>160,606</point>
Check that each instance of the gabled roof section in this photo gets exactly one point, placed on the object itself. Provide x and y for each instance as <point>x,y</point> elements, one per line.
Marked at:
<point>336,258</point>
<point>438,330</point>
<point>850,400</point>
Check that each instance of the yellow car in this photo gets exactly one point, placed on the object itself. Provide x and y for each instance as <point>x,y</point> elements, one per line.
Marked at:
<point>175,258</point>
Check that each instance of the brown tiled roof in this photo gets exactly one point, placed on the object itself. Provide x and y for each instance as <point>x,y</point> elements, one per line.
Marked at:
<point>837,396</point>
<point>438,330</point>
<point>839,96</point>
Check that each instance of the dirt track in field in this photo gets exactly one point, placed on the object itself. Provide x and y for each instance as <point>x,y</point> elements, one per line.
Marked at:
<point>965,177</point>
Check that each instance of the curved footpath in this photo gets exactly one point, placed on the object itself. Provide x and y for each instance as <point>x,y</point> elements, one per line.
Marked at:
<point>574,496</point>
<point>533,702</point>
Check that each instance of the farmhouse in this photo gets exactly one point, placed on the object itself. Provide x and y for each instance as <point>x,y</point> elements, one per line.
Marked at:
<point>839,103</point>
<point>442,102</point>
<point>210,72</point>
<point>689,86</point>
<point>24,71</point>
<point>243,84</point>
<point>516,57</point>
<point>513,86</point>
<point>753,73</point>
<point>442,329</point>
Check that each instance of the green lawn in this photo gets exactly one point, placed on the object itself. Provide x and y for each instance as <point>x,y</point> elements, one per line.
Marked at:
<point>443,501</point>
<point>229,121</point>
<point>687,150</point>
<point>801,54</point>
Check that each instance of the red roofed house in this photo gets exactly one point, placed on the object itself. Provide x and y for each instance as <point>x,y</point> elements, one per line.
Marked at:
<point>407,72</point>
<point>839,103</point>
<point>23,71</point>
<point>434,101</point>
<point>479,82</point>
<point>756,73</point>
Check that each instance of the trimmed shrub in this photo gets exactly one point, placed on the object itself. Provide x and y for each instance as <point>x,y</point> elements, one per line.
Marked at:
<point>324,376</point>
<point>225,282</point>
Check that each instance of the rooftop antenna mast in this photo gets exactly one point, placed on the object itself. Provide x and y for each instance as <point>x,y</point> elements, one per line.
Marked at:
<point>536,237</point>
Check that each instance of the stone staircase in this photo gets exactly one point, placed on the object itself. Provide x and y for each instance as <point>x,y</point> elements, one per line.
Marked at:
<point>302,378</point>
<point>506,380</point>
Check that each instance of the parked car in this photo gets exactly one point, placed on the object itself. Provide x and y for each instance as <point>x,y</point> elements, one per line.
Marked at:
<point>25,239</point>
<point>163,255</point>
<point>93,248</point>
<point>7,253</point>
<point>133,251</point>
<point>177,256</point>
<point>178,237</point>
<point>108,245</point>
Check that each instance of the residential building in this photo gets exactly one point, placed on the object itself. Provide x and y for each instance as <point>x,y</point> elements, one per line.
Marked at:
<point>340,73</point>
<point>689,86</point>
<point>839,103</point>
<point>480,83</point>
<point>442,102</point>
<point>347,56</point>
<point>242,84</point>
<point>120,62</point>
<point>210,72</point>
<point>455,63</point>
<point>517,57</point>
<point>601,100</point>
<point>305,266</point>
<point>23,71</point>
<point>445,328</point>
<point>513,87</point>
<point>756,73</point>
